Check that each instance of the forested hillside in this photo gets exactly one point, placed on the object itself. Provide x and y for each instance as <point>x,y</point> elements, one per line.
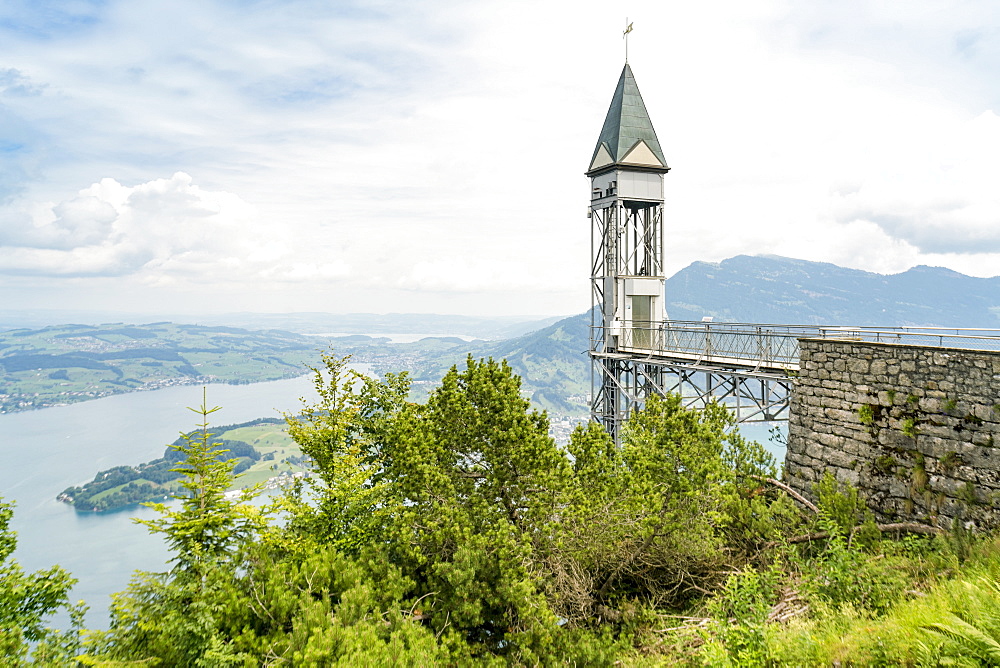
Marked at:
<point>553,361</point>
<point>259,449</point>
<point>70,363</point>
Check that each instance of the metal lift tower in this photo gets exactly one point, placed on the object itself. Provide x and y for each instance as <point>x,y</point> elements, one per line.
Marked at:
<point>626,212</point>
<point>635,351</point>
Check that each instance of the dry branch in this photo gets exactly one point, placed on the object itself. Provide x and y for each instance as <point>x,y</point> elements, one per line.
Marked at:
<point>788,490</point>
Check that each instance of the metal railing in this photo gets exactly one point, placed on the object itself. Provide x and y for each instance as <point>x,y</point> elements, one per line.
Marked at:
<point>763,346</point>
<point>935,337</point>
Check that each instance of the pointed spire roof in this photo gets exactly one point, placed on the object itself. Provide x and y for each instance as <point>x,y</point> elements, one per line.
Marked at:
<point>627,137</point>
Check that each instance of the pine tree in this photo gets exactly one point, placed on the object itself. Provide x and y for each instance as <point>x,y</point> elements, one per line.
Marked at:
<point>208,525</point>
<point>175,618</point>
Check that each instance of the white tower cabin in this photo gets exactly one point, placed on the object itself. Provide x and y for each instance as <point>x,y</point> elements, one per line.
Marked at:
<point>626,211</point>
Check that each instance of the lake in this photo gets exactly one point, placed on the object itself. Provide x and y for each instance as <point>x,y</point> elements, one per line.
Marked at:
<point>45,451</point>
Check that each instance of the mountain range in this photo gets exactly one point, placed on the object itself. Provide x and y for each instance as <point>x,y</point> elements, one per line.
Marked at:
<point>780,290</point>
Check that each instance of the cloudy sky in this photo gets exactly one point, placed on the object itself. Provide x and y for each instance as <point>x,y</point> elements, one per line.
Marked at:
<point>428,156</point>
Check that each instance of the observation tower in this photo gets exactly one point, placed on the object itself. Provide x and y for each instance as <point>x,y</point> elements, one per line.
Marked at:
<point>635,350</point>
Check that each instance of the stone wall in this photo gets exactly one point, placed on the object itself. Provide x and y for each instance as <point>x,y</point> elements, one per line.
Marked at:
<point>916,429</point>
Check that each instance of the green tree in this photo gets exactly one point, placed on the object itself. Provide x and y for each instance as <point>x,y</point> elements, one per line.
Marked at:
<point>645,524</point>
<point>345,502</point>
<point>448,493</point>
<point>26,599</point>
<point>208,525</point>
<point>480,482</point>
<point>176,618</point>
<point>454,531</point>
<point>513,545</point>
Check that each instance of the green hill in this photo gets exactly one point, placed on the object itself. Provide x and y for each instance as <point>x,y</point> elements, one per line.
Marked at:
<point>551,361</point>
<point>69,363</point>
<point>261,450</point>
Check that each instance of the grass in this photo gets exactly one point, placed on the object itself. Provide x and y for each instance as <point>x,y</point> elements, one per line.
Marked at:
<point>953,619</point>
<point>946,613</point>
<point>267,439</point>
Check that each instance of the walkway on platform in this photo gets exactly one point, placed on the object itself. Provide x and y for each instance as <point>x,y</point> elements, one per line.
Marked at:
<point>772,349</point>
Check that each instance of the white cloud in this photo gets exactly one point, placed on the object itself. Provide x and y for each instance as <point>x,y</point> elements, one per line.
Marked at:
<point>356,148</point>
<point>165,229</point>
<point>81,221</point>
<point>943,198</point>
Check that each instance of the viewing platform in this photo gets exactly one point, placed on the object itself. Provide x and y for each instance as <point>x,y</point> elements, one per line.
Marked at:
<point>767,350</point>
<point>749,367</point>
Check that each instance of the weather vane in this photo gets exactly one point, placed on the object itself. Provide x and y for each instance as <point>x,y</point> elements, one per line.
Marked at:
<point>628,29</point>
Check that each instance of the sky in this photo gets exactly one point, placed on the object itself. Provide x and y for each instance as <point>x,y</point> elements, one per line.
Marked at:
<point>198,156</point>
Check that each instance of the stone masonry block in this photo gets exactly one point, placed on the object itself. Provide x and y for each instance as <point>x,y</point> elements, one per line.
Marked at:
<point>857,366</point>
<point>840,459</point>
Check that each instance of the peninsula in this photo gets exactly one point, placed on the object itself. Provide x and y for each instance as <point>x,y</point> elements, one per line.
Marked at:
<point>261,450</point>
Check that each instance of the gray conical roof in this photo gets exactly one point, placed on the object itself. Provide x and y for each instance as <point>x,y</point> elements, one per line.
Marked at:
<point>627,124</point>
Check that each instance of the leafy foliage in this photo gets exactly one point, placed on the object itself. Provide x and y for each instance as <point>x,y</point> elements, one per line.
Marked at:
<point>950,620</point>
<point>970,633</point>
<point>26,599</point>
<point>512,544</point>
<point>450,531</point>
<point>208,525</point>
<point>739,614</point>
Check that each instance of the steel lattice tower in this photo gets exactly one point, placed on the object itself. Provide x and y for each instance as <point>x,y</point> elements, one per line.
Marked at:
<point>627,279</point>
